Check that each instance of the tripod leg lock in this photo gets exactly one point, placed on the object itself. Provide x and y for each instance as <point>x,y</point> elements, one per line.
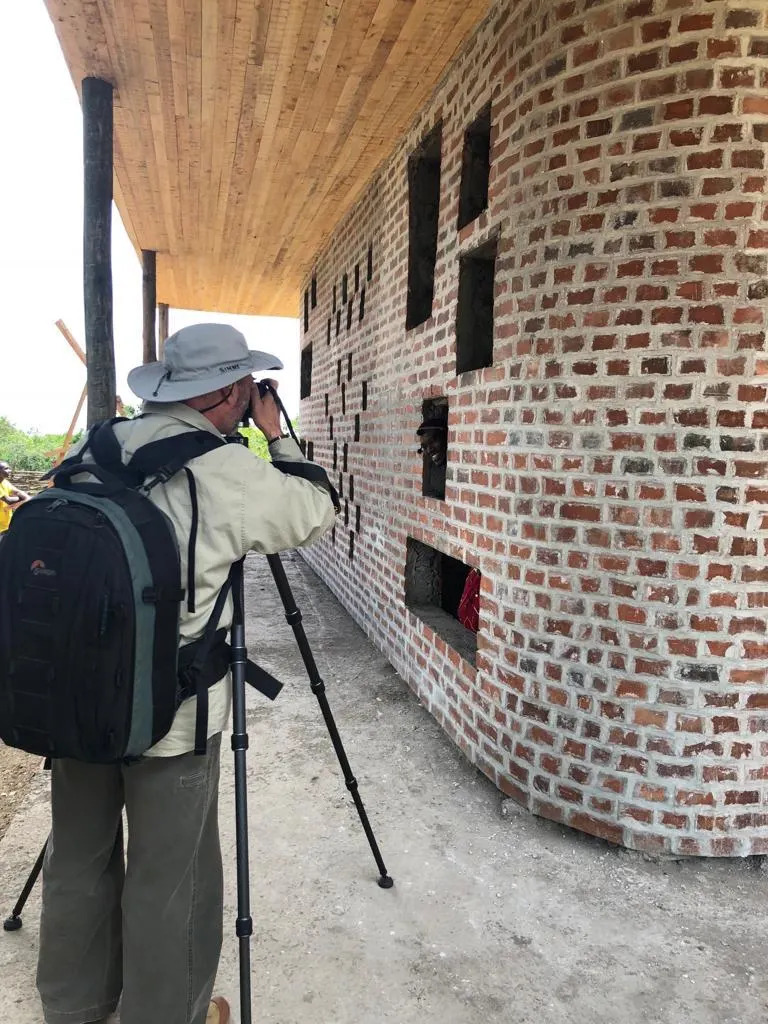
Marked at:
<point>317,686</point>
<point>351,783</point>
<point>239,741</point>
<point>293,618</point>
<point>244,927</point>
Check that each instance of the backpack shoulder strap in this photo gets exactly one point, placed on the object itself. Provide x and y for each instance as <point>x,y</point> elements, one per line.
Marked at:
<point>75,460</point>
<point>164,458</point>
<point>107,453</point>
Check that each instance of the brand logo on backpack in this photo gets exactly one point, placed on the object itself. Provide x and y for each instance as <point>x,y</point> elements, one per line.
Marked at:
<point>39,568</point>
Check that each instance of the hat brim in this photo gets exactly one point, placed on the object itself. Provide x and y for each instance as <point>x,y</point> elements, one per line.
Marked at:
<point>151,384</point>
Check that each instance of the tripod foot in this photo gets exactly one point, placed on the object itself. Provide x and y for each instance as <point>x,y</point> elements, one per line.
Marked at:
<point>385,882</point>
<point>12,924</point>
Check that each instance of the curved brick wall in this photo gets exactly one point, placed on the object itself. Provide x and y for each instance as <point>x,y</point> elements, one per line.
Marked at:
<point>607,473</point>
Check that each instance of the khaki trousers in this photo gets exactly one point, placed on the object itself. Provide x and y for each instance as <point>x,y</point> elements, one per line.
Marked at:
<point>147,927</point>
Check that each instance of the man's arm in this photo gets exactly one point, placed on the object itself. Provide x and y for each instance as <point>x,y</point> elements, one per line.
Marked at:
<point>19,494</point>
<point>280,511</point>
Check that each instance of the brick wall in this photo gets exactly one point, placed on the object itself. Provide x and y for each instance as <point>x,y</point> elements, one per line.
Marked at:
<point>607,472</point>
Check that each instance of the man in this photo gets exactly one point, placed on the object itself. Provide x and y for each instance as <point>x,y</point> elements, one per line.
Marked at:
<point>433,434</point>
<point>153,931</point>
<point>10,497</point>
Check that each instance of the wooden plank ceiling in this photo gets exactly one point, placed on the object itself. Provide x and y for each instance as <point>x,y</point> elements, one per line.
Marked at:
<point>245,129</point>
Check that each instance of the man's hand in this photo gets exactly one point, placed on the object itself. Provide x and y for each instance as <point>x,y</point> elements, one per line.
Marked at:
<point>265,413</point>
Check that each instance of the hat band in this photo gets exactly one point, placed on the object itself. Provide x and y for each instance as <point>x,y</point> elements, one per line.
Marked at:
<point>204,373</point>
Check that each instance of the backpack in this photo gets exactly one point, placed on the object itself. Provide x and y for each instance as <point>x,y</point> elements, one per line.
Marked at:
<point>90,596</point>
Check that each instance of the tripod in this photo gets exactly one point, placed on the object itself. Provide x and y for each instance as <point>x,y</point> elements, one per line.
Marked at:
<point>244,922</point>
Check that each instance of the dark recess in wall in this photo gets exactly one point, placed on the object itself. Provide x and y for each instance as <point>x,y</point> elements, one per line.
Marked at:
<point>423,211</point>
<point>475,168</point>
<point>474,314</point>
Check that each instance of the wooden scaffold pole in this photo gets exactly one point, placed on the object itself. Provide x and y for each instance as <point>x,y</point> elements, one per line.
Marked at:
<point>97,248</point>
<point>149,302</point>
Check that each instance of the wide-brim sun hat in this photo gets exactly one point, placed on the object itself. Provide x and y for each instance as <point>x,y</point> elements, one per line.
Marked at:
<point>196,360</point>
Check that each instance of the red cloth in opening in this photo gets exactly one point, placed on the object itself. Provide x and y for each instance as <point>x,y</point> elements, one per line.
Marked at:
<point>469,605</point>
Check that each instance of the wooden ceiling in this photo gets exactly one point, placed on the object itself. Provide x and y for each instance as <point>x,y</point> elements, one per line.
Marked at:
<point>245,129</point>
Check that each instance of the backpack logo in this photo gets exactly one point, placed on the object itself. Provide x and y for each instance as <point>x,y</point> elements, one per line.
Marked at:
<point>38,568</point>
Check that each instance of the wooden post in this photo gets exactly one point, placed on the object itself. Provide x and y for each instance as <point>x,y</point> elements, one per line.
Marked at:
<point>97,248</point>
<point>162,326</point>
<point>149,298</point>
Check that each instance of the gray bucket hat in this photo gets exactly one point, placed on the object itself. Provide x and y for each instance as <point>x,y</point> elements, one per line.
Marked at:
<point>196,360</point>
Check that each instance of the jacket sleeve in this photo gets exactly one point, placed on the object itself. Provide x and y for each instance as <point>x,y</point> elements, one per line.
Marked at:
<point>281,512</point>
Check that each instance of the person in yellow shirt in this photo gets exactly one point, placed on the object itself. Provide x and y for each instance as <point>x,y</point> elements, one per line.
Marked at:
<point>10,497</point>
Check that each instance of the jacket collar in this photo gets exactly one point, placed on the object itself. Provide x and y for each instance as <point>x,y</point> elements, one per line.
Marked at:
<point>184,413</point>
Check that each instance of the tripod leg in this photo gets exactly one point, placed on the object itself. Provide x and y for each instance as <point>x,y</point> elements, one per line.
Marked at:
<point>14,922</point>
<point>293,617</point>
<point>244,923</point>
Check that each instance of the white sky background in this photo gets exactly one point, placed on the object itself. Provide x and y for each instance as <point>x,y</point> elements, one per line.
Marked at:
<point>41,185</point>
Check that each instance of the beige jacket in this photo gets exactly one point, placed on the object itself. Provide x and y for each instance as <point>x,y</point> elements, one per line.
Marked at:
<point>244,505</point>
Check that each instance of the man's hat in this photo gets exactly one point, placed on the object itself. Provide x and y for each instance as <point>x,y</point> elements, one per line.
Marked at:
<point>196,360</point>
<point>432,423</point>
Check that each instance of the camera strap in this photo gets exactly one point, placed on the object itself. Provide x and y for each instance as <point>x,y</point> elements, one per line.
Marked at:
<point>310,471</point>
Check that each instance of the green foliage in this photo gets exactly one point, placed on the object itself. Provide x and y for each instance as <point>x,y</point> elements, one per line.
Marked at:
<point>28,451</point>
<point>258,443</point>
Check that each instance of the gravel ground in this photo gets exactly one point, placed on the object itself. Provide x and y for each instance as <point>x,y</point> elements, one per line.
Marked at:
<point>495,918</point>
<point>16,771</point>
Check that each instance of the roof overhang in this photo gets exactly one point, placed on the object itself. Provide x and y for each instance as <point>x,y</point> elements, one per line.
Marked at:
<point>245,129</point>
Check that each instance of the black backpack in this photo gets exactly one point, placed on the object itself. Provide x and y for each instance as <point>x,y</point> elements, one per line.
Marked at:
<point>90,595</point>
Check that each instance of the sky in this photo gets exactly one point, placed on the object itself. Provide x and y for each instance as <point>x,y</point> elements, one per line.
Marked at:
<point>41,200</point>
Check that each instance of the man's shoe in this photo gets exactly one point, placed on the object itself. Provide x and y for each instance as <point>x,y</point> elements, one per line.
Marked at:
<point>218,1011</point>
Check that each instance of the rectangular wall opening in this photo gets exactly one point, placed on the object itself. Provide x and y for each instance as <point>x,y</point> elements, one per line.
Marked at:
<point>313,292</point>
<point>434,586</point>
<point>434,445</point>
<point>423,210</point>
<point>475,168</point>
<point>306,371</point>
<point>306,311</point>
<point>474,316</point>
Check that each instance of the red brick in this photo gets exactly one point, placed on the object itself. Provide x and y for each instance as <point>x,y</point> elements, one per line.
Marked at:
<point>610,425</point>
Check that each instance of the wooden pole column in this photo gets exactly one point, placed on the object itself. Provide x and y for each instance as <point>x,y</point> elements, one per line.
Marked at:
<point>149,298</point>
<point>97,249</point>
<point>162,326</point>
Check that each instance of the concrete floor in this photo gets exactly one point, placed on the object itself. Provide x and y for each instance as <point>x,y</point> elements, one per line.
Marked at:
<point>493,918</point>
